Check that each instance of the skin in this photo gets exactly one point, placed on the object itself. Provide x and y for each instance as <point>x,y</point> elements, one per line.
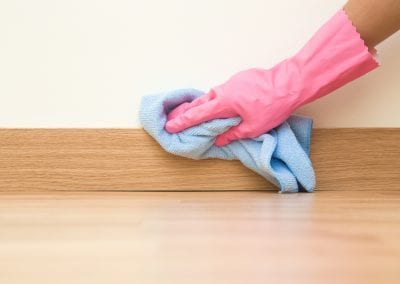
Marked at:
<point>375,20</point>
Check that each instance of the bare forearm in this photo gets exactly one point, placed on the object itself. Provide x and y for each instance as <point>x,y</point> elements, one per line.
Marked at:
<point>375,20</point>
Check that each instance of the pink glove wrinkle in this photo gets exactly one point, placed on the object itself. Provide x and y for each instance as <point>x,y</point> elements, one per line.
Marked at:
<point>265,98</point>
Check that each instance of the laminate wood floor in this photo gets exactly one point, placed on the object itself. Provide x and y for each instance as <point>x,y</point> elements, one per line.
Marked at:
<point>200,237</point>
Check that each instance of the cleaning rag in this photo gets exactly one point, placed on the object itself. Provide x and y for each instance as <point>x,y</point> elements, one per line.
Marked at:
<point>281,156</point>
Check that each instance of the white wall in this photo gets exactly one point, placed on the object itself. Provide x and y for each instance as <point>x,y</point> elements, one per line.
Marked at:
<point>86,63</point>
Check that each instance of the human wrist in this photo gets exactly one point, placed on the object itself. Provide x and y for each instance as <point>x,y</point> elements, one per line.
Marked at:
<point>333,57</point>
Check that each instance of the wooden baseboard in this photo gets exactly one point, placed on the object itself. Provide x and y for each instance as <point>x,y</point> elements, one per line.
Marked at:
<point>128,159</point>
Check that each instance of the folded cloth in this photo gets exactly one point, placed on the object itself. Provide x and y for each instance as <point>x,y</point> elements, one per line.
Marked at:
<point>280,156</point>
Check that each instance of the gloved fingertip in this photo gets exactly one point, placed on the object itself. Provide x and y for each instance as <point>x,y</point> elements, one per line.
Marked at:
<point>221,141</point>
<point>171,126</point>
<point>170,116</point>
<point>182,108</point>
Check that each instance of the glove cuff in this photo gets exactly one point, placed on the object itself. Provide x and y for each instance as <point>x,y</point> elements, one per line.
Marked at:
<point>335,56</point>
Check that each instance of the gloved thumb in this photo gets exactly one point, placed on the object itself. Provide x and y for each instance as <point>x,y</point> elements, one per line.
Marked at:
<point>234,133</point>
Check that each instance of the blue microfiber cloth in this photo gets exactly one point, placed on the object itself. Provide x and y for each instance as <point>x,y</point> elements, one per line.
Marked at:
<point>280,156</point>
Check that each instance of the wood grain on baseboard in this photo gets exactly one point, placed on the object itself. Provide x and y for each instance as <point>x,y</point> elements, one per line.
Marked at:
<point>128,159</point>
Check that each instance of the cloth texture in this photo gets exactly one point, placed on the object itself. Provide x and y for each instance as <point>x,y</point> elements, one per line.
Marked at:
<point>265,98</point>
<point>281,156</point>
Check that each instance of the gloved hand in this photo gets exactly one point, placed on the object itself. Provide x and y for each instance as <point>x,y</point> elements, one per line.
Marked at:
<point>265,98</point>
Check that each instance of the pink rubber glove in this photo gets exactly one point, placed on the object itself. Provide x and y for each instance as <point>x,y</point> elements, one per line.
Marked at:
<point>264,98</point>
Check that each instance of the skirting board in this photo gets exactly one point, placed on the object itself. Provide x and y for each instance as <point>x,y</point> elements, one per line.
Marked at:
<point>130,160</point>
